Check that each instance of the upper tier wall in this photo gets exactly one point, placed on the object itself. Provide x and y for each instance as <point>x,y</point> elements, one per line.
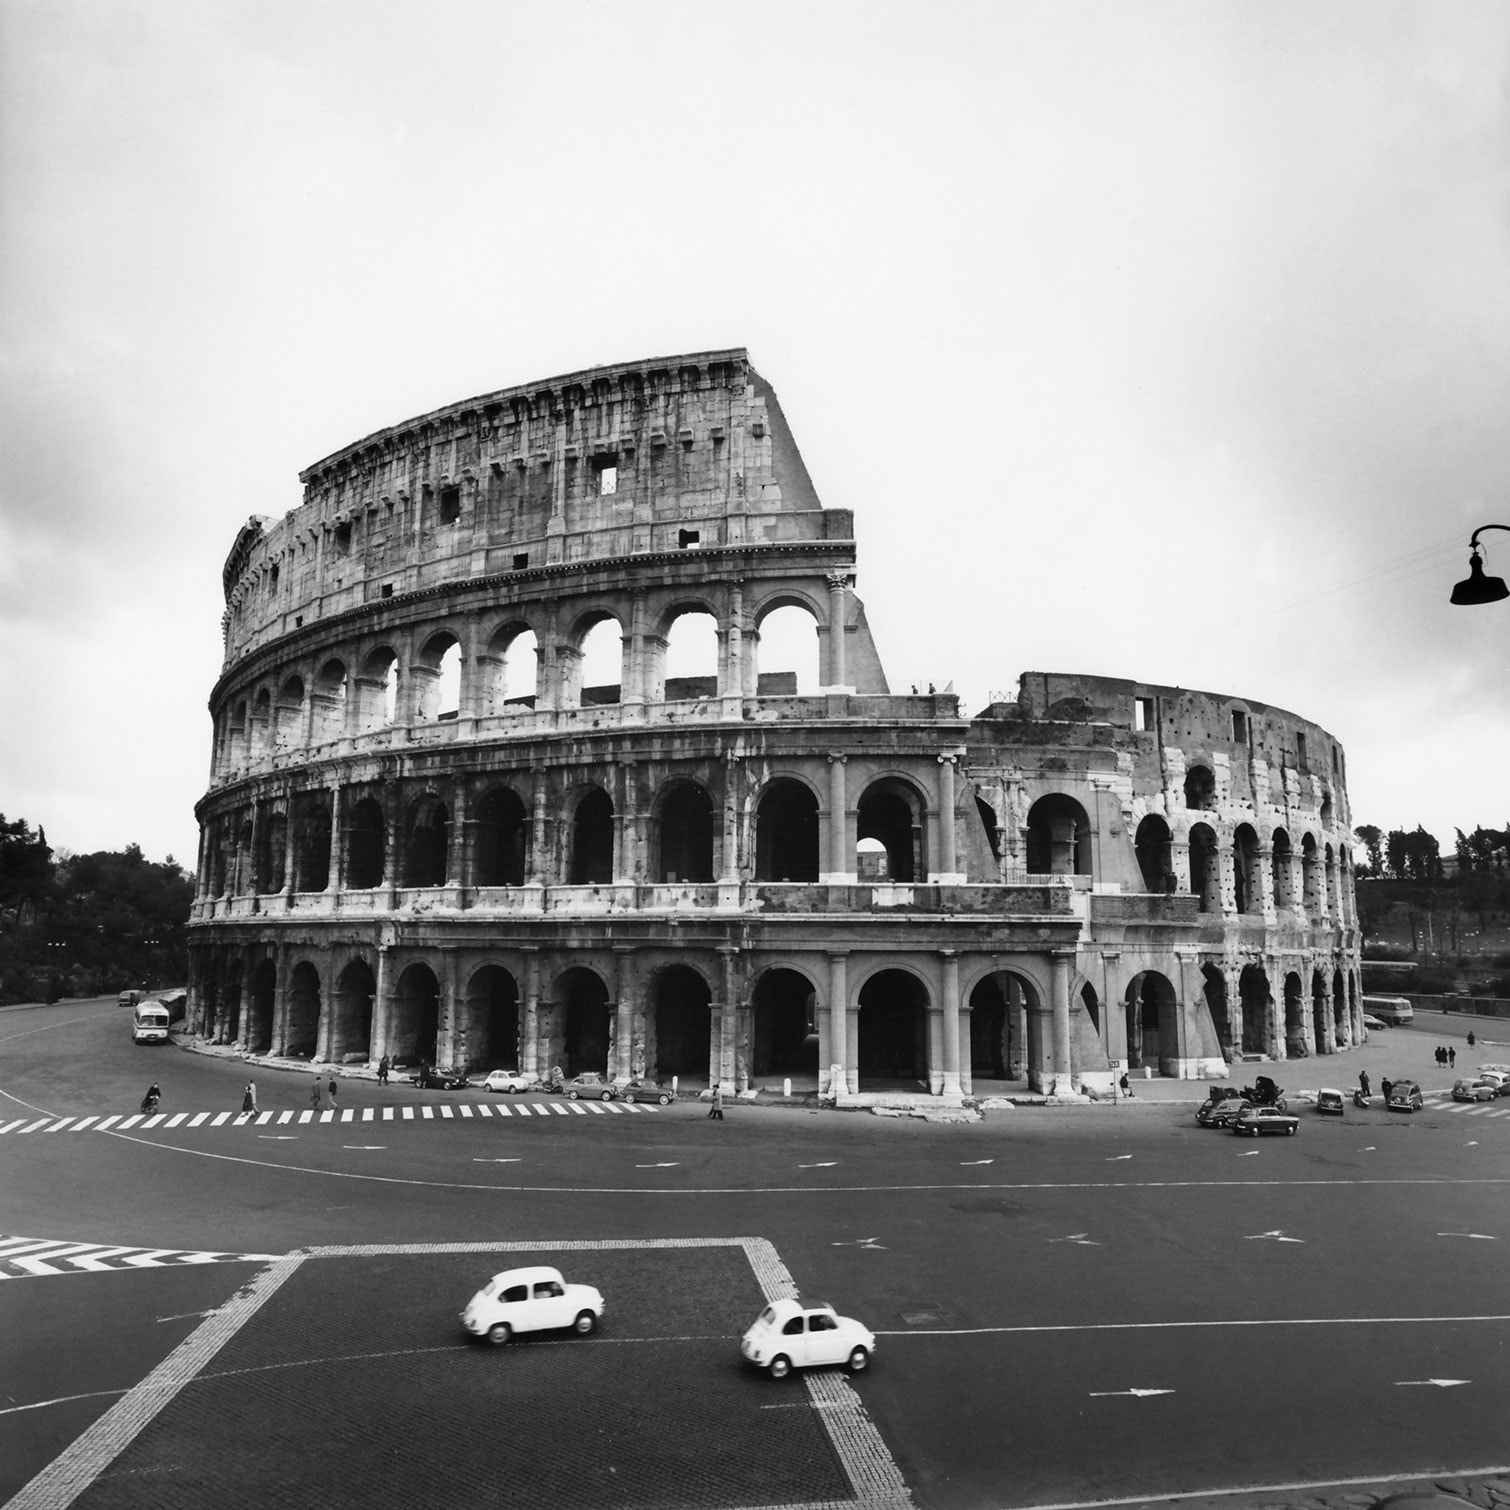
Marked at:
<point>612,462</point>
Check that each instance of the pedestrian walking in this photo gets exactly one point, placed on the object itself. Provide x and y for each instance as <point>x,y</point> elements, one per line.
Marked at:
<point>383,1066</point>
<point>332,1093</point>
<point>1452,1057</point>
<point>249,1097</point>
<point>1385,1087</point>
<point>1470,1039</point>
<point>1123,1085</point>
<point>716,1111</point>
<point>317,1095</point>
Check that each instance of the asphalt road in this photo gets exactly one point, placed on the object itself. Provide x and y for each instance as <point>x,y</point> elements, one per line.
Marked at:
<point>1073,1305</point>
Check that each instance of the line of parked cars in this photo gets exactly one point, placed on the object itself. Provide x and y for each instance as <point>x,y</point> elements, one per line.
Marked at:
<point>1490,1081</point>
<point>588,1086</point>
<point>787,1334</point>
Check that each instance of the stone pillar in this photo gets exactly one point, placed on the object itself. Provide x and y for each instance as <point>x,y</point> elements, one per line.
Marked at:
<point>841,871</point>
<point>627,861</point>
<point>539,867</point>
<point>836,679</point>
<point>729,870</point>
<point>335,875</point>
<point>632,693</point>
<point>733,1065</point>
<point>459,848</point>
<point>950,1085</point>
<point>731,673</point>
<point>548,670</point>
<point>529,1056</point>
<point>628,1059</point>
<point>1231,978</point>
<point>279,1044</point>
<point>835,1044</point>
<point>1062,960</point>
<point>1265,883</point>
<point>382,1007</point>
<point>948,866</point>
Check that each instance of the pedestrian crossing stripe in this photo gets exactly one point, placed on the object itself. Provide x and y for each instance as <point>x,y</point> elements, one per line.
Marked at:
<point>141,1122</point>
<point>23,1257</point>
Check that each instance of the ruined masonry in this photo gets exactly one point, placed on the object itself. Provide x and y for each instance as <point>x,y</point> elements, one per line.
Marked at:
<point>436,828</point>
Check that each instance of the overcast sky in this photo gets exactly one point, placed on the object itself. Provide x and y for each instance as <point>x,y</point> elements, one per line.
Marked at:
<point>1158,340</point>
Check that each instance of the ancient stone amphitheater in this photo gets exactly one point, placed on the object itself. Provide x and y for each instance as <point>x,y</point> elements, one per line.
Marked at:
<point>508,772</point>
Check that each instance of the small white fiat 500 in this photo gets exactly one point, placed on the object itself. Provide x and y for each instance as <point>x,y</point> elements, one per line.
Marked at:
<point>531,1300</point>
<point>789,1334</point>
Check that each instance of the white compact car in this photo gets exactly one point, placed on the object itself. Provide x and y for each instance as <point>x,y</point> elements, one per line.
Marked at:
<point>531,1300</point>
<point>789,1334</point>
<point>510,1081</point>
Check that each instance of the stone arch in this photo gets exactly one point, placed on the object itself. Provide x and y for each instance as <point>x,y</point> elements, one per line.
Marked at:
<point>1205,869</point>
<point>590,852</point>
<point>351,1005</point>
<point>490,1024</point>
<point>784,1024</point>
<point>1155,850</point>
<point>512,662</point>
<point>1258,1003</point>
<point>427,841</point>
<point>261,1007</point>
<point>377,690</point>
<point>414,1031</point>
<point>436,677</point>
<point>891,810</point>
<point>682,824</point>
<point>261,738</point>
<point>288,714</point>
<point>786,658</point>
<point>586,1032</point>
<point>893,1031</point>
<point>683,654</point>
<point>1005,1028</point>
<point>1153,1022</point>
<point>1214,989</point>
<point>272,853</point>
<point>1059,837</point>
<point>679,1024</point>
<point>593,651</point>
<point>1282,863</point>
<point>501,839</point>
<point>303,1037</point>
<point>328,702</point>
<point>1200,788</point>
<point>1246,887</point>
<point>366,844</point>
<point>786,831</point>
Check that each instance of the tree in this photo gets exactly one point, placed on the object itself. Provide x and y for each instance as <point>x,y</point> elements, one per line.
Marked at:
<point>1373,842</point>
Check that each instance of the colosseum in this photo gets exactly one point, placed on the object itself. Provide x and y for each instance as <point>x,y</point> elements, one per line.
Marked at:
<point>551,733</point>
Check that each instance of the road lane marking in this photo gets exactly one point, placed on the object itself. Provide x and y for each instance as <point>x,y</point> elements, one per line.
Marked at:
<point>1081,1239</point>
<point>668,1165</point>
<point>1118,1158</point>
<point>1105,1394</point>
<point>1440,1383</point>
<point>827,1164</point>
<point>81,1125</point>
<point>366,1147</point>
<point>1483,1236</point>
<point>1181,1326</point>
<point>970,1163</point>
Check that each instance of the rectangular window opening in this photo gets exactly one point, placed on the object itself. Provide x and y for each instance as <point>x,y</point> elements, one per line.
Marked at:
<point>1143,714</point>
<point>521,561</point>
<point>686,538</point>
<point>1239,727</point>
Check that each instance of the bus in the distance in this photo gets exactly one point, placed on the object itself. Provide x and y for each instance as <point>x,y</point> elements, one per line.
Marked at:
<point>149,1022</point>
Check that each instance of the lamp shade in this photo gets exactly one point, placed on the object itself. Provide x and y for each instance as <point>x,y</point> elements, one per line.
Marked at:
<point>1477,588</point>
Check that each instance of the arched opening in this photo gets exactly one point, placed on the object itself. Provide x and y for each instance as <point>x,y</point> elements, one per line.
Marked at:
<point>328,703</point>
<point>245,880</point>
<point>785,1025</point>
<point>1282,863</point>
<point>684,828</point>
<point>501,839</point>
<point>1059,837</point>
<point>871,862</point>
<point>1295,1018</point>
<point>288,716</point>
<point>1215,992</point>
<point>303,1012</point>
<point>786,832</point>
<point>259,1017</point>
<point>1246,889</point>
<point>992,825</point>
<point>591,862</point>
<point>679,1034</point>
<point>1153,1023</point>
<point>365,847</point>
<point>1205,871</point>
<point>236,736</point>
<point>377,691</point>
<point>587,1026</point>
<point>230,1003</point>
<point>312,845</point>
<point>513,658</point>
<point>892,812</point>
<point>1200,788</point>
<point>1154,846</point>
<point>351,1012</point>
<point>262,723</point>
<point>427,842</point>
<point>595,677</point>
<point>491,1024</point>
<point>1257,1000</point>
<point>414,1036</point>
<point>893,1031</point>
<point>436,674</point>
<point>272,853</point>
<point>690,667</point>
<point>786,655</point>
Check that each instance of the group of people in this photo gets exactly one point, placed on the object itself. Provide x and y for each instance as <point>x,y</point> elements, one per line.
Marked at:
<point>1446,1058</point>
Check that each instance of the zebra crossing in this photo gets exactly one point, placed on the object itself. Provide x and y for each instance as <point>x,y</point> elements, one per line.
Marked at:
<point>28,1257</point>
<point>455,1111</point>
<point>1443,1102</point>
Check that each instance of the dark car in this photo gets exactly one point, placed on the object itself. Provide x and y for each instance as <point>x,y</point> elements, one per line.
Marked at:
<point>1219,1113</point>
<point>431,1079</point>
<point>1253,1120</point>
<point>645,1090</point>
<point>1404,1096</point>
<point>591,1085</point>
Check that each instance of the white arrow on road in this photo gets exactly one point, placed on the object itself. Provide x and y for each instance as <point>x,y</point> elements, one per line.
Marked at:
<point>1473,1144</point>
<point>860,1242</point>
<point>829,1164</point>
<point>1105,1394</point>
<point>970,1163</point>
<point>278,1137</point>
<point>1117,1158</point>
<point>1278,1237</point>
<point>663,1165</point>
<point>1483,1235</point>
<point>1249,1153</point>
<point>1440,1383</point>
<point>1083,1238</point>
<point>366,1147</point>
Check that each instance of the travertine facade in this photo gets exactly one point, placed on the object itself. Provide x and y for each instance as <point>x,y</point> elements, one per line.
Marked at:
<point>431,833</point>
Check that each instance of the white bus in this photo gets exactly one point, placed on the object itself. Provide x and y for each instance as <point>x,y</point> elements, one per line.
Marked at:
<point>149,1022</point>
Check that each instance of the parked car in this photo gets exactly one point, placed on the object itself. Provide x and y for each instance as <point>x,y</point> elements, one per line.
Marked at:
<point>1404,1096</point>
<point>536,1299</point>
<point>591,1085</point>
<point>1220,1113</point>
<point>509,1081</point>
<point>1329,1103</point>
<point>646,1090</point>
<point>1473,1090</point>
<point>1374,1024</point>
<point>1253,1120</point>
<point>1499,1080</point>
<point>789,1334</point>
<point>431,1079</point>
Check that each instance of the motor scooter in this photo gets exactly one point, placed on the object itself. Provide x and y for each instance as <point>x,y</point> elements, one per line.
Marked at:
<point>149,1101</point>
<point>1359,1099</point>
